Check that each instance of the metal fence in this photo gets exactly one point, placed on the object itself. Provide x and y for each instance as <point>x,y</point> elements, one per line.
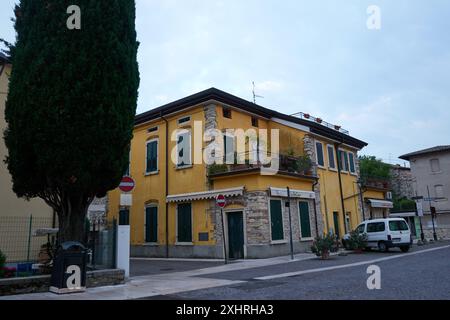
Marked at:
<point>18,241</point>
<point>20,244</point>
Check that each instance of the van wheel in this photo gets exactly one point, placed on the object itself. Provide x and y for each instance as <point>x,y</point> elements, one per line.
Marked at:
<point>404,248</point>
<point>382,246</point>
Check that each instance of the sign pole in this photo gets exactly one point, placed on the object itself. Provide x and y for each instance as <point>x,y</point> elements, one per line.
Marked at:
<point>223,238</point>
<point>432,215</point>
<point>290,223</point>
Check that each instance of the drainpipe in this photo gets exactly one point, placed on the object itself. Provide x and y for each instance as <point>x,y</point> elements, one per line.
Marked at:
<point>315,208</point>
<point>336,147</point>
<point>167,184</point>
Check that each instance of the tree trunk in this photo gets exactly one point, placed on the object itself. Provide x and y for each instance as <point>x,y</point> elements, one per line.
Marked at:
<point>72,218</point>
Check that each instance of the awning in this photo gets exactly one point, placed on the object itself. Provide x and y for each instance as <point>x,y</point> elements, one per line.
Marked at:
<point>233,192</point>
<point>403,214</point>
<point>282,192</point>
<point>377,203</point>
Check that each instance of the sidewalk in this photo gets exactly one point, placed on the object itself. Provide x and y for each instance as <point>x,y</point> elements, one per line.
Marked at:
<point>164,283</point>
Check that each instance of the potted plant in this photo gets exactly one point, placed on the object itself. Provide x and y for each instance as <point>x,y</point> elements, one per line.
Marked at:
<point>306,115</point>
<point>337,127</point>
<point>357,241</point>
<point>323,245</point>
<point>318,120</point>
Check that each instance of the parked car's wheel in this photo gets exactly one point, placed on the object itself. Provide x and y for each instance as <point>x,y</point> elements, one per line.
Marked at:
<point>382,246</point>
<point>405,248</point>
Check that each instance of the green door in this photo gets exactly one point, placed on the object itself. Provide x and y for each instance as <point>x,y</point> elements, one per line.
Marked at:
<point>235,235</point>
<point>305,223</point>
<point>151,224</point>
<point>336,224</point>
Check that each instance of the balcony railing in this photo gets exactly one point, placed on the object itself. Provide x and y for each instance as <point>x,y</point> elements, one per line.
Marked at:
<point>308,117</point>
<point>301,166</point>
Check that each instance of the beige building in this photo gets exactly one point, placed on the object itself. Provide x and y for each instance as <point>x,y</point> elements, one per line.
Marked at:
<point>14,212</point>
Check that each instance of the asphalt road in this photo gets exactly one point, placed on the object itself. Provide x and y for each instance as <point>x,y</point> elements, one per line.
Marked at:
<point>425,275</point>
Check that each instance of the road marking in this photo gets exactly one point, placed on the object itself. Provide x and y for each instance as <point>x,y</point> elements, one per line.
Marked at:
<point>297,273</point>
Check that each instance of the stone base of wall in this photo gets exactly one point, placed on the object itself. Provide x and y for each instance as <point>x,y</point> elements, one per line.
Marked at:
<point>275,250</point>
<point>98,278</point>
<point>205,252</point>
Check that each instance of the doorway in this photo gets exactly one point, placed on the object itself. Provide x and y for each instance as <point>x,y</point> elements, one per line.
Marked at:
<point>235,222</point>
<point>336,224</point>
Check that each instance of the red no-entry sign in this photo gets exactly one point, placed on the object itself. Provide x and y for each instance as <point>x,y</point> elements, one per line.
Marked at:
<point>220,200</point>
<point>127,184</point>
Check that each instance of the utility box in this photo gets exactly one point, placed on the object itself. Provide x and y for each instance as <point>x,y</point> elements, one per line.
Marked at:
<point>69,268</point>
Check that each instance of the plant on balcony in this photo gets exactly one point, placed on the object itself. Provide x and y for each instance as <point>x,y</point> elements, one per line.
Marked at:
<point>217,168</point>
<point>306,115</point>
<point>318,120</point>
<point>323,245</point>
<point>357,241</point>
<point>304,164</point>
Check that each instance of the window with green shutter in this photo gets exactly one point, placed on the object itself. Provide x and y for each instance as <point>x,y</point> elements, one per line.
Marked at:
<point>152,156</point>
<point>184,222</point>
<point>305,223</point>
<point>151,224</point>
<point>276,219</point>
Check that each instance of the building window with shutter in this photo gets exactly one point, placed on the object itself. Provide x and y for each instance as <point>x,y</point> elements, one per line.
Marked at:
<point>184,223</point>
<point>151,224</point>
<point>331,158</point>
<point>351,159</point>
<point>152,156</point>
<point>305,222</point>
<point>276,220</point>
<point>319,152</point>
<point>184,149</point>
<point>435,165</point>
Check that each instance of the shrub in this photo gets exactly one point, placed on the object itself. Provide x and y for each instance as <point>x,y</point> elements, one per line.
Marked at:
<point>357,241</point>
<point>2,263</point>
<point>325,244</point>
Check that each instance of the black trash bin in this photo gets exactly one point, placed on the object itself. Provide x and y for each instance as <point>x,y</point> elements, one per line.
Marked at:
<point>69,268</point>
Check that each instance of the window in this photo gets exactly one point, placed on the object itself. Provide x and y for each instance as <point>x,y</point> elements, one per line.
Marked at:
<point>184,222</point>
<point>154,129</point>
<point>151,224</point>
<point>331,161</point>
<point>184,149</point>
<point>439,191</point>
<point>184,120</point>
<point>360,228</point>
<point>152,156</point>
<point>376,227</point>
<point>398,225</point>
<point>435,165</point>
<point>276,220</point>
<point>226,113</point>
<point>305,223</point>
<point>229,149</point>
<point>254,121</point>
<point>343,160</point>
<point>319,152</point>
<point>351,158</point>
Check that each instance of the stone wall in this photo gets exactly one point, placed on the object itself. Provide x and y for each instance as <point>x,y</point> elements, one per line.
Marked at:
<point>402,182</point>
<point>35,284</point>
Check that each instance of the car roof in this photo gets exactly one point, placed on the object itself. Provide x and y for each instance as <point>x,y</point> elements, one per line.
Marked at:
<point>383,220</point>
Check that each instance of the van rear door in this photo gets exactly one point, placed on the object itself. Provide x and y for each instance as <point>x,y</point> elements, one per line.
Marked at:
<point>399,231</point>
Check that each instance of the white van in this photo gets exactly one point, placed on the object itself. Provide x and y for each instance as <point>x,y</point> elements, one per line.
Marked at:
<point>384,234</point>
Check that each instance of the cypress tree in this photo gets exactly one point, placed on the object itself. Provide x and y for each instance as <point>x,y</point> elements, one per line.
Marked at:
<point>71,104</point>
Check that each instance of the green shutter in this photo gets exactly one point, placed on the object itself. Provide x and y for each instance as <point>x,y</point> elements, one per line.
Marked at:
<point>184,223</point>
<point>152,156</point>
<point>276,219</point>
<point>151,224</point>
<point>305,223</point>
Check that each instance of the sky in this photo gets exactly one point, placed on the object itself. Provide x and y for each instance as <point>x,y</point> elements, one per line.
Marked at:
<point>389,87</point>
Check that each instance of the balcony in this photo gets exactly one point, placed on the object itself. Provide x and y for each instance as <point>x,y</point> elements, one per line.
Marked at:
<point>381,183</point>
<point>288,165</point>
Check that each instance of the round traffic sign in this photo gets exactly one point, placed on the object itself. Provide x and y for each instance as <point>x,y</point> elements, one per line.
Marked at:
<point>220,200</point>
<point>127,184</point>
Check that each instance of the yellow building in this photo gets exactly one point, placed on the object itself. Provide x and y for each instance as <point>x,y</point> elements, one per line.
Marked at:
<point>14,212</point>
<point>172,212</point>
<point>377,198</point>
